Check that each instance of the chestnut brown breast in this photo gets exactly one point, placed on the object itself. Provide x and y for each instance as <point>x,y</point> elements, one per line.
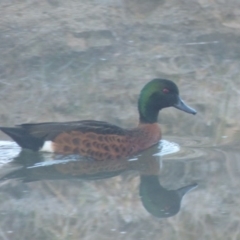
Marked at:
<point>107,146</point>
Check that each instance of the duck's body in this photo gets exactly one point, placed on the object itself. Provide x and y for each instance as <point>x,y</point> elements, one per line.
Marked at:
<point>102,140</point>
<point>95,139</point>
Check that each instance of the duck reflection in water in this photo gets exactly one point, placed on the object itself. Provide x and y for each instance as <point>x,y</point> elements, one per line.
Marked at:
<point>157,200</point>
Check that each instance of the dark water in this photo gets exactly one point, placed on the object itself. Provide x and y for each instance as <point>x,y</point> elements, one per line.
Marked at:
<point>76,60</point>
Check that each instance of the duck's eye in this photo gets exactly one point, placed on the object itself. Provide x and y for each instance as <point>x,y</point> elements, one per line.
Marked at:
<point>165,90</point>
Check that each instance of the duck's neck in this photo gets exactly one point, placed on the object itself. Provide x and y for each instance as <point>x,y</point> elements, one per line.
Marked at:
<point>148,111</point>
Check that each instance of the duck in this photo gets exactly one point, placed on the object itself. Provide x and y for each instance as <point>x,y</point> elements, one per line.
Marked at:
<point>101,140</point>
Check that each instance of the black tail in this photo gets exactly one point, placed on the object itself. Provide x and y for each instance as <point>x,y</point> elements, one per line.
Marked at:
<point>23,138</point>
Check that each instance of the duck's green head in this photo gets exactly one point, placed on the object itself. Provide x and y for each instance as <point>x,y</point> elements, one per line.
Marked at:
<point>158,94</point>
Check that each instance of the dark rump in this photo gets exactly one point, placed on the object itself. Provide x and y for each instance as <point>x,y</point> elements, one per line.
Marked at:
<point>23,138</point>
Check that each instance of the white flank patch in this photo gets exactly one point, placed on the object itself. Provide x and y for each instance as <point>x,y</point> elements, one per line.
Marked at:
<point>47,147</point>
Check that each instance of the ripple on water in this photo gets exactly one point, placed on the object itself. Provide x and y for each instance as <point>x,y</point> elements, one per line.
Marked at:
<point>184,148</point>
<point>8,151</point>
<point>178,148</point>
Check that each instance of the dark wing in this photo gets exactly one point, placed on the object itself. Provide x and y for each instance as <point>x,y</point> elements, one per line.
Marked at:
<point>51,129</point>
<point>33,135</point>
